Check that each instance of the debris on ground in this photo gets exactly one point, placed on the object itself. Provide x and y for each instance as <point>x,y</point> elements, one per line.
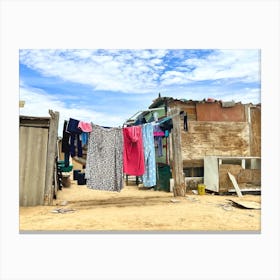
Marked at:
<point>245,204</point>
<point>235,185</point>
<point>174,200</point>
<point>62,210</point>
<point>193,199</point>
<point>226,206</point>
<point>194,191</point>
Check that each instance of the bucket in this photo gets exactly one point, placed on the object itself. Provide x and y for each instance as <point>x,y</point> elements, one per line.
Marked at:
<point>75,174</point>
<point>66,182</point>
<point>81,179</point>
<point>164,175</point>
<point>201,189</point>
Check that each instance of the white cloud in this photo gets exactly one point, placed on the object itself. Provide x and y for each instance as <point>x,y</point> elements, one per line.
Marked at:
<point>38,103</point>
<point>108,71</point>
<point>142,71</point>
<point>241,64</point>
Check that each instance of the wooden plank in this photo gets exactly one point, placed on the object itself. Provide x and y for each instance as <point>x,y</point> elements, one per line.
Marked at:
<point>233,180</point>
<point>246,204</point>
<point>177,170</point>
<point>211,173</point>
<point>48,195</point>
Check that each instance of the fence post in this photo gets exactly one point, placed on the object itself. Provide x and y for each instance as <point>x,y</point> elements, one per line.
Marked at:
<point>51,154</point>
<point>177,166</point>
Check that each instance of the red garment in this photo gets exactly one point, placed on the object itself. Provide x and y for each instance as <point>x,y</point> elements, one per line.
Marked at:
<point>133,151</point>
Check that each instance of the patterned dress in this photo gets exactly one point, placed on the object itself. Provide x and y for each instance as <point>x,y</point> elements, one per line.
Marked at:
<point>104,165</point>
<point>149,177</point>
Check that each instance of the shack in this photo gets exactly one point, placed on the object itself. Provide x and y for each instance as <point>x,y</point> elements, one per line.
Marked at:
<point>226,134</point>
<point>37,159</point>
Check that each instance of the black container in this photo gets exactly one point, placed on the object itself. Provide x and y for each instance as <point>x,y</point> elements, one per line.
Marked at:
<point>81,178</point>
<point>75,174</point>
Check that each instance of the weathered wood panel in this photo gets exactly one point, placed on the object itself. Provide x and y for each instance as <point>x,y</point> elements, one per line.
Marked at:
<point>52,152</point>
<point>215,112</point>
<point>215,138</point>
<point>33,143</point>
<point>224,181</point>
<point>246,178</point>
<point>255,131</point>
<point>252,176</point>
<point>177,164</point>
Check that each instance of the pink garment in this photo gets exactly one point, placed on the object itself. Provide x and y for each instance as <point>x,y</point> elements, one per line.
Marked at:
<point>159,133</point>
<point>85,127</point>
<point>133,151</point>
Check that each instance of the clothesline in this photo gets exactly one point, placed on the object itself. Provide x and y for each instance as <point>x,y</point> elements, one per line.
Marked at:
<point>110,152</point>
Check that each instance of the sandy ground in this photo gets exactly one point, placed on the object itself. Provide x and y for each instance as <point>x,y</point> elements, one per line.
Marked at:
<point>134,209</point>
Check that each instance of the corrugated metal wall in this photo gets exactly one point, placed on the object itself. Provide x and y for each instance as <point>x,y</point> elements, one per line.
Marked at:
<point>33,147</point>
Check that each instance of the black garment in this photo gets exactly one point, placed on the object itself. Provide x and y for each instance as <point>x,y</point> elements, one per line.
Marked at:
<point>167,125</point>
<point>140,120</point>
<point>75,140</point>
<point>186,122</point>
<point>65,145</point>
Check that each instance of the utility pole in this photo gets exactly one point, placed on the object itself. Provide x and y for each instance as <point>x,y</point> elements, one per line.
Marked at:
<point>177,162</point>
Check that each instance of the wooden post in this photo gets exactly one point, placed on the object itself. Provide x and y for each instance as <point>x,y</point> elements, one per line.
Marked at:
<point>177,166</point>
<point>51,154</point>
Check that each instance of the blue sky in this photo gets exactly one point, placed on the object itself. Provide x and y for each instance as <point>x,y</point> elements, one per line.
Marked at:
<point>108,86</point>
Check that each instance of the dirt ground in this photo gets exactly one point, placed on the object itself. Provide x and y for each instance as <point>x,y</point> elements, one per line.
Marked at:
<point>78,208</point>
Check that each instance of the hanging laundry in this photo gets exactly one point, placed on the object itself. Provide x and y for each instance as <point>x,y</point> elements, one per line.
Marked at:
<point>104,164</point>
<point>158,131</point>
<point>75,141</point>
<point>133,154</point>
<point>149,177</point>
<point>158,134</point>
<point>185,121</point>
<point>154,117</point>
<point>65,145</point>
<point>84,138</point>
<point>85,127</point>
<point>166,124</point>
<point>159,145</point>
